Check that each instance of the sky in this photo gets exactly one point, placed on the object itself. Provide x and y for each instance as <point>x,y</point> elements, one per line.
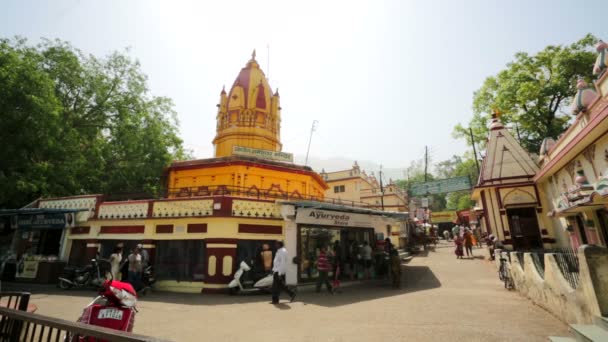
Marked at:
<point>384,79</point>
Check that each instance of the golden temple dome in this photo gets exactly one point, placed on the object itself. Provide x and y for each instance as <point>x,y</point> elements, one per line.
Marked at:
<point>249,114</point>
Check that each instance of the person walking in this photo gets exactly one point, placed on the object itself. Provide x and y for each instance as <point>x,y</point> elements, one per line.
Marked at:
<point>323,266</point>
<point>115,259</point>
<point>478,237</point>
<point>395,269</point>
<point>458,241</point>
<point>455,231</point>
<point>366,255</point>
<point>338,265</point>
<point>135,268</point>
<point>279,269</point>
<point>145,257</point>
<point>468,243</point>
<point>446,235</point>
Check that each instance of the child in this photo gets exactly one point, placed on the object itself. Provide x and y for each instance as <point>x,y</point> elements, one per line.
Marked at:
<point>458,240</point>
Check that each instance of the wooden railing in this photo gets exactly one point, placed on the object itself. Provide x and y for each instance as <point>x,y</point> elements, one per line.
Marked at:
<point>19,325</point>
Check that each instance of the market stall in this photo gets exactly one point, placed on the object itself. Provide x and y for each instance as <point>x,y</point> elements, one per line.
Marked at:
<point>37,243</point>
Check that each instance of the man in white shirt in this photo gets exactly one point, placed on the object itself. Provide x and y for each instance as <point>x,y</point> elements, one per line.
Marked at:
<point>279,269</point>
<point>366,254</point>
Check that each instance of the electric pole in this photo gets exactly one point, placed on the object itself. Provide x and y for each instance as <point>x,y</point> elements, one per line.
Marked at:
<point>426,161</point>
<point>381,189</point>
<point>312,129</point>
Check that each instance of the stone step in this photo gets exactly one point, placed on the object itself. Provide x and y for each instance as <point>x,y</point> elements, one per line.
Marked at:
<point>601,322</point>
<point>561,339</point>
<point>588,333</point>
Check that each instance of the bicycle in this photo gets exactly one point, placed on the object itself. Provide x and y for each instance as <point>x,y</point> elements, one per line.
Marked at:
<point>504,274</point>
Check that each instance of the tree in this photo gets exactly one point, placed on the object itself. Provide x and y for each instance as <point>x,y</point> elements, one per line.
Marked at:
<point>75,124</point>
<point>532,92</point>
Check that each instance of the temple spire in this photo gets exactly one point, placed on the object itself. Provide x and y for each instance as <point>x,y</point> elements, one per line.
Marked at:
<point>253,55</point>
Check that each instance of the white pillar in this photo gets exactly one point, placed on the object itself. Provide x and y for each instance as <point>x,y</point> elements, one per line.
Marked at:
<point>291,243</point>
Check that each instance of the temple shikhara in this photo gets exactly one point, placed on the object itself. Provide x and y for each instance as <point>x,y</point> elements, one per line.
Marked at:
<point>217,212</point>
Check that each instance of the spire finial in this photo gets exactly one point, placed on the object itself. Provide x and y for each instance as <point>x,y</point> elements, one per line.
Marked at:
<point>496,113</point>
<point>253,55</point>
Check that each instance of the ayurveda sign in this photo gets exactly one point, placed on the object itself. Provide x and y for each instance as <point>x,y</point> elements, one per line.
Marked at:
<point>264,154</point>
<point>332,218</point>
<point>44,221</point>
<point>441,186</point>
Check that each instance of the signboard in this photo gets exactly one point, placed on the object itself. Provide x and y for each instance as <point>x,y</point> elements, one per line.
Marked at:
<point>443,216</point>
<point>43,221</point>
<point>332,218</point>
<point>440,186</point>
<point>264,154</point>
<point>27,269</point>
<point>424,202</point>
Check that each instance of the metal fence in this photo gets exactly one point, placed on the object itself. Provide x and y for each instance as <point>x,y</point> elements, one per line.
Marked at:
<point>538,258</point>
<point>520,257</point>
<point>23,326</point>
<point>567,260</point>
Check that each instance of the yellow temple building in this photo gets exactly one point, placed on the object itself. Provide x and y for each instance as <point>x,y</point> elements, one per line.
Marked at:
<point>217,212</point>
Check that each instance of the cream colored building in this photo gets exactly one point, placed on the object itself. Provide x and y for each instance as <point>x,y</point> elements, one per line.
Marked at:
<point>355,187</point>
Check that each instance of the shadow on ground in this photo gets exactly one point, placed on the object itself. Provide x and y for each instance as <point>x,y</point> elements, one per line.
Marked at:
<point>413,279</point>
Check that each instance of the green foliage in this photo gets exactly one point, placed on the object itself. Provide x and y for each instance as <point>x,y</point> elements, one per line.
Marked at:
<point>75,124</point>
<point>533,92</point>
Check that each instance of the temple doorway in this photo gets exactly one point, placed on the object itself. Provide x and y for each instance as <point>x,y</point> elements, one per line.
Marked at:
<point>524,228</point>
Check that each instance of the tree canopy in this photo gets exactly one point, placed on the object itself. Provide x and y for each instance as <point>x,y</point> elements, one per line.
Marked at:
<point>532,93</point>
<point>75,124</point>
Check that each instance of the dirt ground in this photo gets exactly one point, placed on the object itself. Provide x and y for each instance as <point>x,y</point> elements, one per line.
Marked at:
<point>442,299</point>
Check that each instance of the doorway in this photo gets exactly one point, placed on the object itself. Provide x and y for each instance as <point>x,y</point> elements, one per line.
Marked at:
<point>581,229</point>
<point>602,216</point>
<point>524,228</point>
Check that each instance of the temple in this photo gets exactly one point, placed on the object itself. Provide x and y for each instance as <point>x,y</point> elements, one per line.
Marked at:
<point>558,198</point>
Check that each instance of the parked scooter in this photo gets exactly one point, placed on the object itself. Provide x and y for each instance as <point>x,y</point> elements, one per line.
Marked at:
<point>114,308</point>
<point>92,275</point>
<point>258,284</point>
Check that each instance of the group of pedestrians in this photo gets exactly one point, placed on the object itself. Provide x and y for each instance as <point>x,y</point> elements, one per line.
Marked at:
<point>464,240</point>
<point>327,262</point>
<point>133,265</point>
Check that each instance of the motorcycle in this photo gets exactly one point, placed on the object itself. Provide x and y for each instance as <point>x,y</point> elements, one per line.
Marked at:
<point>114,308</point>
<point>260,283</point>
<point>147,280</point>
<point>92,275</point>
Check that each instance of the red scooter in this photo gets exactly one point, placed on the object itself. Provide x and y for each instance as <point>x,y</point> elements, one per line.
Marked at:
<point>114,308</point>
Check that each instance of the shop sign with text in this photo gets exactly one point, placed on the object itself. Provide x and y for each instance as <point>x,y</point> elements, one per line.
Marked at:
<point>43,221</point>
<point>264,154</point>
<point>441,186</point>
<point>332,218</point>
<point>443,216</point>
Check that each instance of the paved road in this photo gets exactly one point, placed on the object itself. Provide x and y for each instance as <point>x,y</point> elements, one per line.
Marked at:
<point>443,299</point>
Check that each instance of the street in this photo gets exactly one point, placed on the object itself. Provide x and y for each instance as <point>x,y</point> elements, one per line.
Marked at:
<point>442,299</point>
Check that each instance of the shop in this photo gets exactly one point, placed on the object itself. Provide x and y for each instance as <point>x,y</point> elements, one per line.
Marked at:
<point>37,243</point>
<point>313,225</point>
